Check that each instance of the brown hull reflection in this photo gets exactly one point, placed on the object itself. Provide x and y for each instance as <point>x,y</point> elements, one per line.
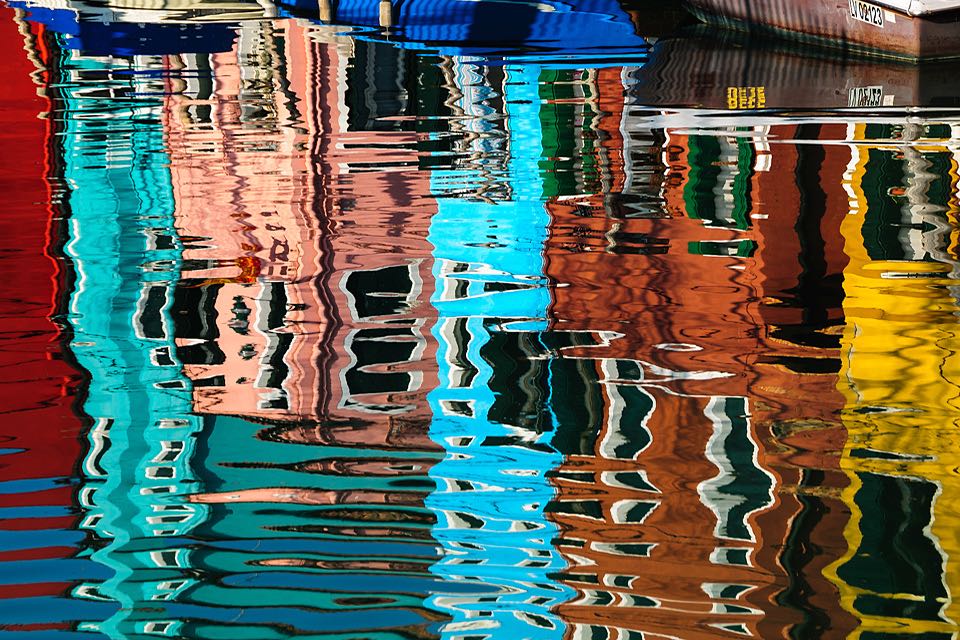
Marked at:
<point>720,70</point>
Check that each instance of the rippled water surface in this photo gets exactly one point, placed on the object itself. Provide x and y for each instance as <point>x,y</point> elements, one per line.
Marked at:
<point>312,329</point>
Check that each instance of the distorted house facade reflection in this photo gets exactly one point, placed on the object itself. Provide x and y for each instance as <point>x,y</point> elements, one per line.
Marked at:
<point>309,276</point>
<point>899,378</point>
<point>846,300</point>
<point>682,500</point>
<point>491,298</point>
<point>134,192</point>
<point>136,470</point>
<point>306,330</point>
<point>42,433</point>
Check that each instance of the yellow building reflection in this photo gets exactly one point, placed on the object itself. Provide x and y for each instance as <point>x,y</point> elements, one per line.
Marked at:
<point>901,379</point>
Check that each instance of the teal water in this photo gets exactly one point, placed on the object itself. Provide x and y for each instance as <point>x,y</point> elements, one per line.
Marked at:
<point>320,330</point>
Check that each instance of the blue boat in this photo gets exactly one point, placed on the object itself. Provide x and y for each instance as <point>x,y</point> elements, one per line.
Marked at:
<point>110,30</point>
<point>582,29</point>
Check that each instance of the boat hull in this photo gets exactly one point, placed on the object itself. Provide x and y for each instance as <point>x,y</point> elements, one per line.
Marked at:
<point>853,25</point>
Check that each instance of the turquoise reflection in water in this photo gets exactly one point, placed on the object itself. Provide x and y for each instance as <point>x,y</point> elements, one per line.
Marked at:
<point>126,258</point>
<point>491,486</point>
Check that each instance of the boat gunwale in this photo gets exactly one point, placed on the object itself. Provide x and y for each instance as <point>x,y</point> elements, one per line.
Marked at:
<point>833,43</point>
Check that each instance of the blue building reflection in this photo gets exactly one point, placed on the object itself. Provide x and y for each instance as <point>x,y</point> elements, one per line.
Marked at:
<point>492,486</point>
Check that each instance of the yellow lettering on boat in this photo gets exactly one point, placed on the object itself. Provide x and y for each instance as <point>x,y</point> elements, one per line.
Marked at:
<point>740,98</point>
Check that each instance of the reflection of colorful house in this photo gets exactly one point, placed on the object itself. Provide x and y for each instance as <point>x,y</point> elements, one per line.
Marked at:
<point>132,316</point>
<point>900,377</point>
<point>492,488</point>
<point>125,259</point>
<point>302,325</point>
<point>253,248</point>
<point>683,506</point>
<point>41,431</point>
<point>306,283</point>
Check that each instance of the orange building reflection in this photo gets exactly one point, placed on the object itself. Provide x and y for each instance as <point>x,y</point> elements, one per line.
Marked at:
<point>714,468</point>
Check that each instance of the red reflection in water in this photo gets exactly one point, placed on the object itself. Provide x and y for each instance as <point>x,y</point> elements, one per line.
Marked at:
<point>36,381</point>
